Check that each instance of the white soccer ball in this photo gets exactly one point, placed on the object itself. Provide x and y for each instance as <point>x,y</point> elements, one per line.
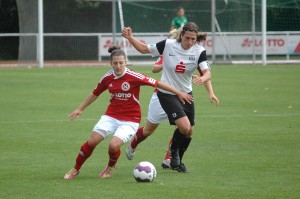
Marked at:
<point>144,172</point>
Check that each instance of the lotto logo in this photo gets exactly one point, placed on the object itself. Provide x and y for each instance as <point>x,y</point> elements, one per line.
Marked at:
<point>121,95</point>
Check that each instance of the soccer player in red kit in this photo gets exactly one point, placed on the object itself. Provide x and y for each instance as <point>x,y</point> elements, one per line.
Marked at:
<point>123,114</point>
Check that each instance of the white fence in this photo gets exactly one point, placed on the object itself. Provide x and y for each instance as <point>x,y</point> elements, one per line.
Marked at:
<point>227,44</point>
<point>231,47</point>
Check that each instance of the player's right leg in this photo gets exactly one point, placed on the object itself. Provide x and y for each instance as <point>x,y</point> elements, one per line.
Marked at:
<point>155,116</point>
<point>166,161</point>
<point>177,116</point>
<point>140,136</point>
<point>104,127</point>
<point>85,152</point>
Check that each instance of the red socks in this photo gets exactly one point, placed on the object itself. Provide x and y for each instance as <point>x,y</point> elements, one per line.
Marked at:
<point>138,138</point>
<point>85,152</point>
<point>168,152</point>
<point>113,158</point>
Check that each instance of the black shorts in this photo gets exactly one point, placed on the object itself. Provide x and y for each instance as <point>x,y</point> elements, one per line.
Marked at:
<point>175,109</point>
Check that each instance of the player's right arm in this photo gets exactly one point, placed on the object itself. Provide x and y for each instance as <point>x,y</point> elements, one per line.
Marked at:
<point>138,45</point>
<point>90,99</point>
<point>77,112</point>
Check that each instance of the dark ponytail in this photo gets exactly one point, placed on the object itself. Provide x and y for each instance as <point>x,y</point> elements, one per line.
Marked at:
<point>116,51</point>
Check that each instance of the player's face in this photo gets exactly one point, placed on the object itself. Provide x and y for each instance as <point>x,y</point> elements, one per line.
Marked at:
<point>118,63</point>
<point>188,39</point>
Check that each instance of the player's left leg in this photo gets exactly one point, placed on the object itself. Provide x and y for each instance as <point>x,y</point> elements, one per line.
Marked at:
<point>114,153</point>
<point>124,133</point>
<point>189,109</point>
<point>155,116</point>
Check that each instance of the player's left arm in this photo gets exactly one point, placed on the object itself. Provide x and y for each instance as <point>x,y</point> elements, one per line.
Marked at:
<point>212,96</point>
<point>203,68</point>
<point>199,80</point>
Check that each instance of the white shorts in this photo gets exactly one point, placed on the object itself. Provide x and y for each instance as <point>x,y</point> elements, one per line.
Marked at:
<point>122,129</point>
<point>156,113</point>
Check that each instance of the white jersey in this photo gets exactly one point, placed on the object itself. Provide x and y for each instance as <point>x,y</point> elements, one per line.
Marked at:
<point>179,64</point>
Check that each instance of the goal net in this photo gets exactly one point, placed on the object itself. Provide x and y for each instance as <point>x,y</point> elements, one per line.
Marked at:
<point>80,31</point>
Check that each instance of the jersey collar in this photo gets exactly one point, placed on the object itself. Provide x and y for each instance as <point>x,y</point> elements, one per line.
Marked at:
<point>117,77</point>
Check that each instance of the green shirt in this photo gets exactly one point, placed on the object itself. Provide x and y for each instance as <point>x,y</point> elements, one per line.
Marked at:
<point>179,22</point>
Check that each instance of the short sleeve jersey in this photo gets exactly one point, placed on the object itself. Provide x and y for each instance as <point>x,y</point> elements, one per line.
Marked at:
<point>179,22</point>
<point>124,90</point>
<point>179,64</point>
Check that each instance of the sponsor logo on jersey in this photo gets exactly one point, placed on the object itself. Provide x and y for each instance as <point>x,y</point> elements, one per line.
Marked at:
<point>192,58</point>
<point>171,54</point>
<point>125,86</point>
<point>110,85</point>
<point>180,68</point>
<point>122,96</point>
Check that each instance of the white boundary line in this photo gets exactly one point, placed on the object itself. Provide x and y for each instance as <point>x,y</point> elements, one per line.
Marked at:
<point>208,116</point>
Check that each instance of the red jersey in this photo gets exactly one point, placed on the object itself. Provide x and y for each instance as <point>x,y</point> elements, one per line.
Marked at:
<point>125,93</point>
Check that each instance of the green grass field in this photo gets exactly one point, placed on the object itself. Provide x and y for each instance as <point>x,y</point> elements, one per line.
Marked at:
<point>248,147</point>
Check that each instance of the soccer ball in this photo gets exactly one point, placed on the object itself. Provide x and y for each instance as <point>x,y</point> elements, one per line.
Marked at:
<point>144,172</point>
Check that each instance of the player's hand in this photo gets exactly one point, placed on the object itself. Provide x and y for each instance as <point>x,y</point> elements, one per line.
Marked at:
<point>197,80</point>
<point>184,97</point>
<point>127,32</point>
<point>75,114</point>
<point>213,98</point>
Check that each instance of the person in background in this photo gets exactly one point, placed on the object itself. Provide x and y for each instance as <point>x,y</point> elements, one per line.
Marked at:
<point>179,20</point>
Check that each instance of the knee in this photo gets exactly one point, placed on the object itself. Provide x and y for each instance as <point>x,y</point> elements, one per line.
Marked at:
<point>190,133</point>
<point>147,132</point>
<point>93,142</point>
<point>149,128</point>
<point>113,147</point>
<point>185,130</point>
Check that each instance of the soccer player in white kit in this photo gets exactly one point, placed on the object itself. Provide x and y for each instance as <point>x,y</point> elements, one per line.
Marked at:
<point>123,114</point>
<point>180,59</point>
<point>156,115</point>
